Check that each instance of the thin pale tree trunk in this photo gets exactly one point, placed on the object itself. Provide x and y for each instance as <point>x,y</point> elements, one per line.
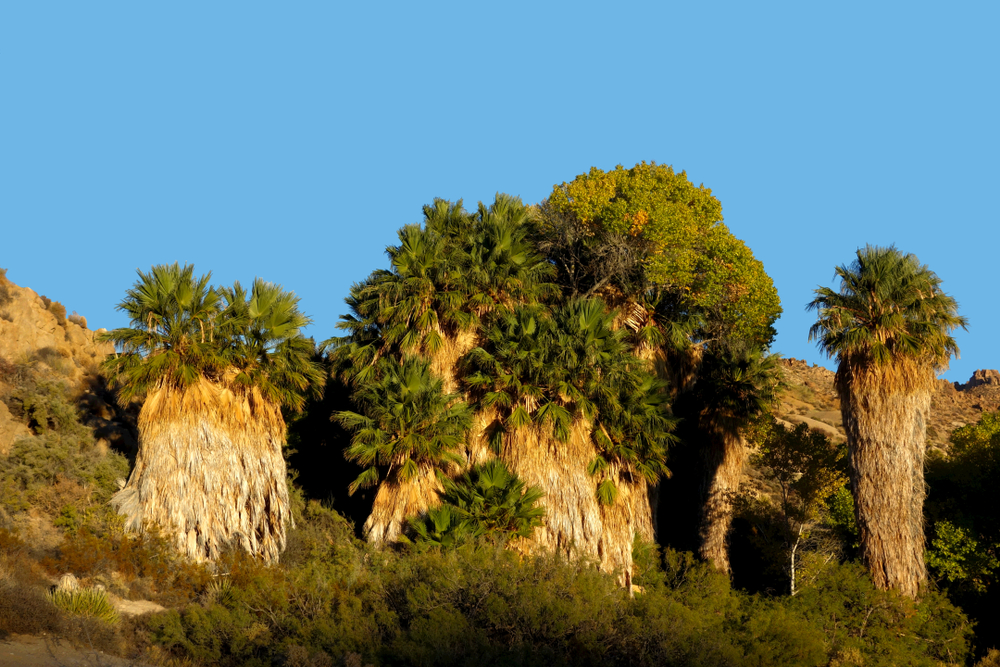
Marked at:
<point>209,472</point>
<point>885,416</point>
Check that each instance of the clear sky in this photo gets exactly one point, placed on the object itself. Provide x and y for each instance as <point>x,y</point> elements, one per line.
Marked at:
<point>290,140</point>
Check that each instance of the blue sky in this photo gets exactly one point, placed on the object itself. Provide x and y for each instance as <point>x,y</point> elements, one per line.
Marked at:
<point>290,142</point>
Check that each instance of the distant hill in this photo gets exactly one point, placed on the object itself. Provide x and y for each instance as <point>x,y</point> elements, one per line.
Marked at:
<point>810,398</point>
<point>37,336</point>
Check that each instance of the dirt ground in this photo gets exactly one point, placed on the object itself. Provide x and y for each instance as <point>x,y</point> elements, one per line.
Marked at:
<point>25,651</point>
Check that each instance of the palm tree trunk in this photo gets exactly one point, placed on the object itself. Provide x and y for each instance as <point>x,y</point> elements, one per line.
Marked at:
<point>209,472</point>
<point>572,520</point>
<point>885,416</point>
<point>396,501</point>
<point>726,458</point>
<point>629,516</point>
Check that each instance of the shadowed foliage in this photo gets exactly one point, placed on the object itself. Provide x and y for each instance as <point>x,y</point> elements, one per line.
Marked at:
<point>408,432</point>
<point>736,388</point>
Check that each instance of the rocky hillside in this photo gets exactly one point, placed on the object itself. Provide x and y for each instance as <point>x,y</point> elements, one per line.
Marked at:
<point>37,339</point>
<point>810,398</point>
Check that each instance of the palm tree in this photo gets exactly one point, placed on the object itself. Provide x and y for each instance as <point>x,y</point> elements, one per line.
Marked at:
<point>408,433</point>
<point>737,386</point>
<point>214,370</point>
<point>577,416</point>
<point>889,325</point>
<point>444,278</point>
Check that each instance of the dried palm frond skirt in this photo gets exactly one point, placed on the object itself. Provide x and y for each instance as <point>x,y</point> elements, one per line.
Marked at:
<point>209,472</point>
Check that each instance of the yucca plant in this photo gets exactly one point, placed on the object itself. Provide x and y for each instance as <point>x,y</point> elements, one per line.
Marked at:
<point>889,325</point>
<point>85,602</point>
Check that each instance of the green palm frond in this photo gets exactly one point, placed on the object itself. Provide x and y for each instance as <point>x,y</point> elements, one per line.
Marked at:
<point>172,337</point>
<point>489,500</point>
<point>888,306</point>
<point>407,420</point>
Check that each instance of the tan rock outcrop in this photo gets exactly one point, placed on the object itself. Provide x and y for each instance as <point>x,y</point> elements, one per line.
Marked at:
<point>31,330</point>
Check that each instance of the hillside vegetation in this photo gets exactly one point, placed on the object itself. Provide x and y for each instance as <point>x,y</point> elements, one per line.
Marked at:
<point>548,435</point>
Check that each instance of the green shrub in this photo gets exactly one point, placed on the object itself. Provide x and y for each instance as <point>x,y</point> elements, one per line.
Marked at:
<point>85,602</point>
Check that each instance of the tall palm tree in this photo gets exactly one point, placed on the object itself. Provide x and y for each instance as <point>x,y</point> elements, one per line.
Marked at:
<point>889,326</point>
<point>214,370</point>
<point>408,434</point>
<point>736,387</point>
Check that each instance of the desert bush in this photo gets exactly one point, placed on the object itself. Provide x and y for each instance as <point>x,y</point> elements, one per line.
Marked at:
<point>59,311</point>
<point>46,301</point>
<point>85,602</point>
<point>882,627</point>
<point>6,293</point>
<point>78,319</point>
<point>24,610</point>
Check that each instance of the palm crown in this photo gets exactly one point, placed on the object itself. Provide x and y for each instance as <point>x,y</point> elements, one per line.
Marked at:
<point>889,305</point>
<point>443,278</point>
<point>545,368</point>
<point>182,330</point>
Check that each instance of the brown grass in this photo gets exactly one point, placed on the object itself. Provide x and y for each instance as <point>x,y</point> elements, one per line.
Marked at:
<point>885,411</point>
<point>210,472</point>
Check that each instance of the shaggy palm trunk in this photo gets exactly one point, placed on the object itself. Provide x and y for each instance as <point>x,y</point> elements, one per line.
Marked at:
<point>885,414</point>
<point>397,500</point>
<point>209,472</point>
<point>629,516</point>
<point>444,360</point>
<point>575,523</point>
<point>726,457</point>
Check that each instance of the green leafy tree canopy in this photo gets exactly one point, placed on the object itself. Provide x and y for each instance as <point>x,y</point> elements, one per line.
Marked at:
<point>674,229</point>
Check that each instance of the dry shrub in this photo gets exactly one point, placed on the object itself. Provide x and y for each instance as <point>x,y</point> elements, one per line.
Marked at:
<point>78,319</point>
<point>6,294</point>
<point>146,564</point>
<point>46,301</point>
<point>64,492</point>
<point>59,311</point>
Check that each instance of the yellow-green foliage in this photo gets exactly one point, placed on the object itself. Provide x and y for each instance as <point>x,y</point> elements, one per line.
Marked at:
<point>85,602</point>
<point>692,250</point>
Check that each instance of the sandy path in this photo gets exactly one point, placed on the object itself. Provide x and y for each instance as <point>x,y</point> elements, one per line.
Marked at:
<point>27,651</point>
